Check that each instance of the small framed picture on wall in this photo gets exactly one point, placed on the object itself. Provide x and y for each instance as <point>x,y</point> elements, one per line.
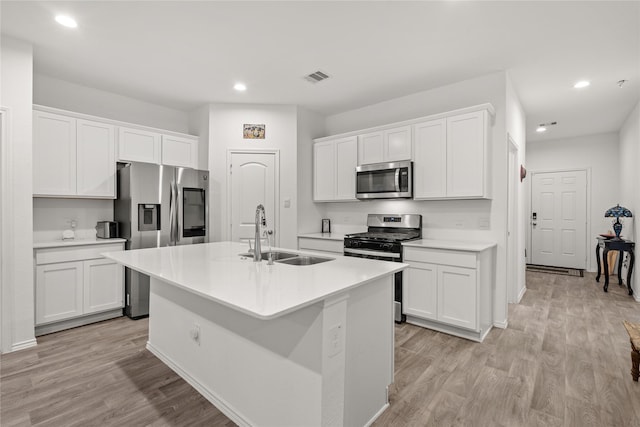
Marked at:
<point>253,131</point>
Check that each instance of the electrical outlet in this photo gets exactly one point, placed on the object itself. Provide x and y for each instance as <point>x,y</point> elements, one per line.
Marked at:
<point>335,341</point>
<point>195,333</point>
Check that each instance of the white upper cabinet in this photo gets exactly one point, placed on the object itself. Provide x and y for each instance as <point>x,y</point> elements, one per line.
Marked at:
<point>430,154</point>
<point>385,146</point>
<point>137,145</point>
<point>96,159</point>
<point>334,170</point>
<point>397,144</point>
<point>324,168</point>
<point>179,151</point>
<point>72,157</point>
<point>370,148</point>
<point>54,154</point>
<point>346,160</point>
<point>451,157</point>
<point>467,157</point>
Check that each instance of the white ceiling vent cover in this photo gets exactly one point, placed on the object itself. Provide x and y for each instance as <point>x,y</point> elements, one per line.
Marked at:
<point>316,77</point>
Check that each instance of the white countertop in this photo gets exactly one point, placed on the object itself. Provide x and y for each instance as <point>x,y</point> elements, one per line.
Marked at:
<point>75,242</point>
<point>454,245</point>
<point>325,236</point>
<point>216,272</point>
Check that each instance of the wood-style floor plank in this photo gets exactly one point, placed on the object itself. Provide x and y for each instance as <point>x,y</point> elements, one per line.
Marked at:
<point>564,360</point>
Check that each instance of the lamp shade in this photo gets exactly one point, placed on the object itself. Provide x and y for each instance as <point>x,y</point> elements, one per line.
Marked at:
<point>618,212</point>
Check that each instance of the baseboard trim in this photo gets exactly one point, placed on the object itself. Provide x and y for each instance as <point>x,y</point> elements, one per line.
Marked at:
<point>219,403</point>
<point>24,344</point>
<point>477,336</point>
<point>78,321</point>
<point>522,292</point>
<point>502,325</point>
<point>377,415</point>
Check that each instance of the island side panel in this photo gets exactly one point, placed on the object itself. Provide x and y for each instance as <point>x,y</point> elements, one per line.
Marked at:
<point>258,372</point>
<point>370,351</point>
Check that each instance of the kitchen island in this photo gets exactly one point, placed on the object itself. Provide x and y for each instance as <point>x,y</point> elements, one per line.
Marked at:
<point>273,345</point>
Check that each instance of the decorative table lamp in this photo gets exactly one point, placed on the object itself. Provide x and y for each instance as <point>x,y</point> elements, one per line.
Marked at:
<point>617,212</point>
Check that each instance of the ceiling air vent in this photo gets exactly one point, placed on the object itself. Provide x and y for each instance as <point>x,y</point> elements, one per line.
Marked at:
<point>316,77</point>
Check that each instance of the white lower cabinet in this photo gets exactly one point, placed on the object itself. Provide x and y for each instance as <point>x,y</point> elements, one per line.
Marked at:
<point>58,291</point>
<point>449,291</point>
<point>103,285</point>
<point>76,285</point>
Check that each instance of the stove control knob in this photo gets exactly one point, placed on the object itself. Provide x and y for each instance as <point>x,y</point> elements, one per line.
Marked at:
<point>387,246</point>
<point>356,244</point>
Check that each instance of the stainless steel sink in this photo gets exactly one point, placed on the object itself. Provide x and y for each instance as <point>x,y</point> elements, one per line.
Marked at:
<point>304,260</point>
<point>277,255</point>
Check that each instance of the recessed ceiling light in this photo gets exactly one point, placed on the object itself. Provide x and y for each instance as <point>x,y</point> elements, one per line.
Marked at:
<point>240,87</point>
<point>541,129</point>
<point>581,84</point>
<point>67,21</point>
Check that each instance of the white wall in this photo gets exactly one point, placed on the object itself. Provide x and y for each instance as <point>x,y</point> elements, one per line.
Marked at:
<point>16,70</point>
<point>516,130</point>
<point>600,154</point>
<point>70,96</point>
<point>310,126</point>
<point>629,180</point>
<point>456,219</point>
<point>51,216</point>
<point>199,125</point>
<point>225,133</point>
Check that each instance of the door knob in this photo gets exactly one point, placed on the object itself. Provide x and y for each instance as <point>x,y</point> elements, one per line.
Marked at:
<point>534,223</point>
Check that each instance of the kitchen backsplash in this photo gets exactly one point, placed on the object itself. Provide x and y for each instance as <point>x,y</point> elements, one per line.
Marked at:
<point>51,216</point>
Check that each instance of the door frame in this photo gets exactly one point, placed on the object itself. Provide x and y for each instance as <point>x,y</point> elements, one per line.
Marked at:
<point>6,235</point>
<point>276,194</point>
<point>588,265</point>
<point>513,230</point>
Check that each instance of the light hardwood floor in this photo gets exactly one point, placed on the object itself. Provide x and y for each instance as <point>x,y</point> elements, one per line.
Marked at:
<point>564,360</point>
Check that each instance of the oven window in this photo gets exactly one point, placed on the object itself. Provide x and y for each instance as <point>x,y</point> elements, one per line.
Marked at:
<point>193,212</point>
<point>382,181</point>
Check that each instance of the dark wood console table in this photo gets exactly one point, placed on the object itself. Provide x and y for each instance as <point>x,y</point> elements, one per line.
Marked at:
<point>616,245</point>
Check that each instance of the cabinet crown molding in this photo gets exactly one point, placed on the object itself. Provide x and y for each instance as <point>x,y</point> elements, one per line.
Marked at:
<point>480,107</point>
<point>37,107</point>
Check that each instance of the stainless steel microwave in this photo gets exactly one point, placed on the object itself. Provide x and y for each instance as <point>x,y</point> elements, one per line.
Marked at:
<point>385,181</point>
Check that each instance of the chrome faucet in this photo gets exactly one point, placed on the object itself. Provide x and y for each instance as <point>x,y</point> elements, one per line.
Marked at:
<point>261,221</point>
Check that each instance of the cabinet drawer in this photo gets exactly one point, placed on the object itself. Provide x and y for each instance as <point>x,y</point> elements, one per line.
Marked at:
<point>74,253</point>
<point>334,246</point>
<point>442,257</point>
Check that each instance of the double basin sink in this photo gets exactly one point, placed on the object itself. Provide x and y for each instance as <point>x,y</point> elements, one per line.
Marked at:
<point>290,258</point>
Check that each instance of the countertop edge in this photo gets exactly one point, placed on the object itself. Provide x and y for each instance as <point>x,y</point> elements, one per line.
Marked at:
<point>454,245</point>
<point>323,236</point>
<point>269,316</point>
<point>76,242</point>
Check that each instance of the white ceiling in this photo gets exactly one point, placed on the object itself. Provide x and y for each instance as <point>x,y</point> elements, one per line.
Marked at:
<point>185,54</point>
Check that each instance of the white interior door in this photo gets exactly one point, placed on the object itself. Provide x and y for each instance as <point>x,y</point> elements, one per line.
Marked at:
<point>559,219</point>
<point>253,182</point>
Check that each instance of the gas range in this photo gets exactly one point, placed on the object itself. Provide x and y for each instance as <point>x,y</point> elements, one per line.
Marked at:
<point>383,240</point>
<point>384,236</point>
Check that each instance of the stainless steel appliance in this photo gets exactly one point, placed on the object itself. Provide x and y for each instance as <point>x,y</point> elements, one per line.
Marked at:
<point>107,230</point>
<point>383,240</point>
<point>158,206</point>
<point>385,181</point>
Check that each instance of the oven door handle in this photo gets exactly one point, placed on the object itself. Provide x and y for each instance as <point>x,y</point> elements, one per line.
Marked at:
<point>398,180</point>
<point>372,253</point>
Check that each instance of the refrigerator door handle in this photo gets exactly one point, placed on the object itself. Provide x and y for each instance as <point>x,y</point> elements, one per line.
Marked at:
<point>173,215</point>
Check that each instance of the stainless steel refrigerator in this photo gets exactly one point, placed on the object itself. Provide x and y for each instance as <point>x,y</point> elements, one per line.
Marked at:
<point>158,206</point>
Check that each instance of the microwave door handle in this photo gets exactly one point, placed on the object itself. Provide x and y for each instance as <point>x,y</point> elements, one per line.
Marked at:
<point>398,180</point>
